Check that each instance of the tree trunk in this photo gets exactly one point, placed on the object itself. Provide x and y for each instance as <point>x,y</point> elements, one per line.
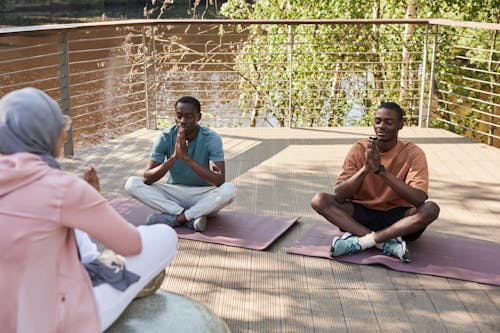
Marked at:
<point>377,66</point>
<point>334,96</point>
<point>411,12</point>
<point>255,110</point>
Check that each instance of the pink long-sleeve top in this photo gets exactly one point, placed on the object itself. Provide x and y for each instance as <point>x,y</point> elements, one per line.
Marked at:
<point>43,285</point>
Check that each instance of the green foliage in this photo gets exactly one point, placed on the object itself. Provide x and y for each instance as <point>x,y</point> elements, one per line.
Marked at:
<point>169,9</point>
<point>465,67</point>
<point>332,69</point>
<point>335,69</point>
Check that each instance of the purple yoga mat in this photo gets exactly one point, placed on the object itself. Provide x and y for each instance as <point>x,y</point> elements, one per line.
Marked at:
<point>468,259</point>
<point>238,229</point>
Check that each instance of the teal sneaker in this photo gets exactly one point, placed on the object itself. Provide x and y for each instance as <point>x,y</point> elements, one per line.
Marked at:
<point>396,247</point>
<point>347,244</point>
<point>163,218</point>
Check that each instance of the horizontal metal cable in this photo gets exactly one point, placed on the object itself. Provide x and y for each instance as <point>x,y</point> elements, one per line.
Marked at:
<point>468,128</point>
<point>29,70</point>
<point>114,119</point>
<point>469,108</point>
<point>104,100</point>
<point>80,138</point>
<point>458,115</point>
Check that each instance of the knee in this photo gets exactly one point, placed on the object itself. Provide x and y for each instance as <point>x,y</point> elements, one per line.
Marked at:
<point>160,238</point>
<point>430,210</point>
<point>321,200</point>
<point>170,237</point>
<point>229,190</point>
<point>132,183</point>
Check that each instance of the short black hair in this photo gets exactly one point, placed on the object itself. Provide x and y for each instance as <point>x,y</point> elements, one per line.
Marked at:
<point>392,106</point>
<point>189,100</point>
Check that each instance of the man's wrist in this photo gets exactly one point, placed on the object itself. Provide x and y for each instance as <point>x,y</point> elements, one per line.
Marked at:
<point>365,170</point>
<point>380,170</point>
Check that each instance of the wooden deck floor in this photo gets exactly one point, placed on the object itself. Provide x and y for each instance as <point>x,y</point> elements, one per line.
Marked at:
<point>277,171</point>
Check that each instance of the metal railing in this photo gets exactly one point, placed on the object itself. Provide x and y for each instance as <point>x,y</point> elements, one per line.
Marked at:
<point>115,77</point>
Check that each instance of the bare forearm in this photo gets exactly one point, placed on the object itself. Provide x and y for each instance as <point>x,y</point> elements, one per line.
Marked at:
<point>405,191</point>
<point>152,175</point>
<point>213,178</point>
<point>348,188</point>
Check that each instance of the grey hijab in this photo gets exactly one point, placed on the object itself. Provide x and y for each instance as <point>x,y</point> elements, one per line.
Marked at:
<point>30,121</point>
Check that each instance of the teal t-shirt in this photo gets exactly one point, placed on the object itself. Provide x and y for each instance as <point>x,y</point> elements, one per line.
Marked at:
<point>205,147</point>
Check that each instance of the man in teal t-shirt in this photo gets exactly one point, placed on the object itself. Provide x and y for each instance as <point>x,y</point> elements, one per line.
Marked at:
<point>193,157</point>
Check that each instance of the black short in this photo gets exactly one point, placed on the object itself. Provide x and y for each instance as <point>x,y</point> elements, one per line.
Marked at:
<point>376,220</point>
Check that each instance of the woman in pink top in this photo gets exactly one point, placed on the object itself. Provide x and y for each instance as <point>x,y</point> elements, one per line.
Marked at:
<point>43,285</point>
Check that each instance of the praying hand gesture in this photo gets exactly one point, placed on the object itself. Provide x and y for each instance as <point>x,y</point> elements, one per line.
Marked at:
<point>181,145</point>
<point>372,155</point>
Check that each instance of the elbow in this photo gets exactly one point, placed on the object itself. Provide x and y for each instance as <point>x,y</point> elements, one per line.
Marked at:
<point>135,247</point>
<point>219,181</point>
<point>418,203</point>
<point>138,249</point>
<point>149,177</point>
<point>138,243</point>
<point>131,242</point>
<point>419,199</point>
<point>147,180</point>
<point>339,195</point>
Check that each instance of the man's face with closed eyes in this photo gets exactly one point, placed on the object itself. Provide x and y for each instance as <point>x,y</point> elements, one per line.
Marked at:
<point>387,124</point>
<point>187,117</point>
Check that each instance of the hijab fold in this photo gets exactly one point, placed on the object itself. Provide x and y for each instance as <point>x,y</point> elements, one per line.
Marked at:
<point>30,121</point>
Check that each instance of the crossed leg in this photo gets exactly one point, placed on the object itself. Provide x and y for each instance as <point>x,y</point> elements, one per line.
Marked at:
<point>414,221</point>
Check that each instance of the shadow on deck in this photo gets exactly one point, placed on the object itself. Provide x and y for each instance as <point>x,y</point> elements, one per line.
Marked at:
<point>277,172</point>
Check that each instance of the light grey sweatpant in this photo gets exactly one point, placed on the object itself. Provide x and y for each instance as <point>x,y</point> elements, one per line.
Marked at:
<point>174,199</point>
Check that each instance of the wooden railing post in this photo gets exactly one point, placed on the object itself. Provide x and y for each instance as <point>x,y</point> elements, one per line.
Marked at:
<point>423,74</point>
<point>290,78</point>
<point>431,79</point>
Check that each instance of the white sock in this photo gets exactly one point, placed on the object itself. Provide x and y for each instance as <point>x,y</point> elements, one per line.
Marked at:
<point>367,241</point>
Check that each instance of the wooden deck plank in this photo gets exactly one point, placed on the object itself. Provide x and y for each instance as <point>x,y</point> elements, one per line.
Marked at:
<point>420,311</point>
<point>452,312</point>
<point>357,310</point>
<point>267,311</point>
<point>389,311</point>
<point>482,310</point>
<point>403,280</point>
<point>319,274</point>
<point>376,277</point>
<point>265,270</point>
<point>326,311</point>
